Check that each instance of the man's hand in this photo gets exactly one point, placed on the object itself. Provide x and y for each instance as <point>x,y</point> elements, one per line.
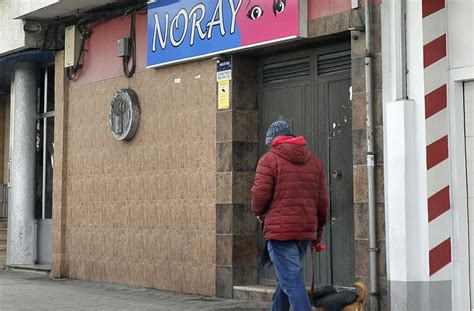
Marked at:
<point>318,247</point>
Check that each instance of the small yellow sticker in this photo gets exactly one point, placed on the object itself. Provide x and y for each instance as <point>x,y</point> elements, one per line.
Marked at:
<point>223,100</point>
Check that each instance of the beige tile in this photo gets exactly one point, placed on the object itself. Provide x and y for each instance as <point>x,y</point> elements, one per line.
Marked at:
<point>360,184</point>
<point>143,201</point>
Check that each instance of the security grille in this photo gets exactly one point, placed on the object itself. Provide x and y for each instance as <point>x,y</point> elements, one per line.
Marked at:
<point>334,62</point>
<point>291,69</point>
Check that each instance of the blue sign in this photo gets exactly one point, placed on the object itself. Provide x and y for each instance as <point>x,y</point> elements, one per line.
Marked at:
<point>181,30</point>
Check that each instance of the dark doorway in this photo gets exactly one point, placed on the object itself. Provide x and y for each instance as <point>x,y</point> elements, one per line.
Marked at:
<point>311,90</point>
<point>44,164</point>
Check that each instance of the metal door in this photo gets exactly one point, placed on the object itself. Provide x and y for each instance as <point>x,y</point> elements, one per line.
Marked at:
<point>310,89</point>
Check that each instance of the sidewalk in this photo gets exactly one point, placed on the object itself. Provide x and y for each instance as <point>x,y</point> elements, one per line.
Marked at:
<point>28,291</point>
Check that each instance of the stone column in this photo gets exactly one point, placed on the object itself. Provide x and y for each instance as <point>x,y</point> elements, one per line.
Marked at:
<point>21,221</point>
<point>359,143</point>
<point>237,154</point>
<point>61,113</point>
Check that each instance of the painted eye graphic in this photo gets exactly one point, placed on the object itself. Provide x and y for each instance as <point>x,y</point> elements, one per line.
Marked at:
<point>279,6</point>
<point>255,12</point>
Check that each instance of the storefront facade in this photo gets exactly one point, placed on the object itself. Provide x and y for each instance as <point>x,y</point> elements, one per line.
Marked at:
<point>169,209</point>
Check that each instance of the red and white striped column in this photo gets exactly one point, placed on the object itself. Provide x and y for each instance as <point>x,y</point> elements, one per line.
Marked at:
<point>435,62</point>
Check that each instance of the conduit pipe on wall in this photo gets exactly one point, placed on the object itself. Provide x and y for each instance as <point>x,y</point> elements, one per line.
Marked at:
<point>403,50</point>
<point>373,250</point>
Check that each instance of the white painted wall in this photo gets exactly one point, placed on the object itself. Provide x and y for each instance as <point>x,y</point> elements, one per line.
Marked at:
<point>405,173</point>
<point>405,161</point>
<point>12,37</point>
<point>461,33</point>
<point>461,62</point>
<point>27,6</point>
<point>418,261</point>
<point>469,128</point>
<point>404,143</point>
<point>457,150</point>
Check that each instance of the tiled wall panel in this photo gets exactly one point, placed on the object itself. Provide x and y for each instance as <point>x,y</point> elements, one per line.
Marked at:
<point>143,212</point>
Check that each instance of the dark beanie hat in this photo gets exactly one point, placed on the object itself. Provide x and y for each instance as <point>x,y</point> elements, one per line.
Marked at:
<point>278,128</point>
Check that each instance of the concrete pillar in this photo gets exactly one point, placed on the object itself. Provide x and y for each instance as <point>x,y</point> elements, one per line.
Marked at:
<point>21,221</point>
<point>413,236</point>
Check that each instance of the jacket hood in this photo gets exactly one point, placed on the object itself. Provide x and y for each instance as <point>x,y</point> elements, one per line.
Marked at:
<point>293,149</point>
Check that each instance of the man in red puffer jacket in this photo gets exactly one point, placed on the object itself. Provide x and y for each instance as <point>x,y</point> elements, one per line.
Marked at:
<point>289,193</point>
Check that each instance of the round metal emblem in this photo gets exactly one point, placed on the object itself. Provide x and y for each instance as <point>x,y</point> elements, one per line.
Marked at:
<point>124,115</point>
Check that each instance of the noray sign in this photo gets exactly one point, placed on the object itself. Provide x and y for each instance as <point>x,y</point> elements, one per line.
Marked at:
<point>180,30</point>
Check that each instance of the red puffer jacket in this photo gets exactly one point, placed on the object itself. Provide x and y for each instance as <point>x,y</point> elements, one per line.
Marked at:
<point>290,191</point>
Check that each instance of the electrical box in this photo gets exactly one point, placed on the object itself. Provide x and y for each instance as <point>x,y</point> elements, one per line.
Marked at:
<point>123,47</point>
<point>72,47</point>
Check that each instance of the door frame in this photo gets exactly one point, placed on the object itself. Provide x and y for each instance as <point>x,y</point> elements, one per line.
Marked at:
<point>43,225</point>
<point>312,53</point>
<point>460,216</point>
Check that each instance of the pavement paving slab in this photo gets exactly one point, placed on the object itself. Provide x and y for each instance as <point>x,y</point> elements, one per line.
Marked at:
<point>30,291</point>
